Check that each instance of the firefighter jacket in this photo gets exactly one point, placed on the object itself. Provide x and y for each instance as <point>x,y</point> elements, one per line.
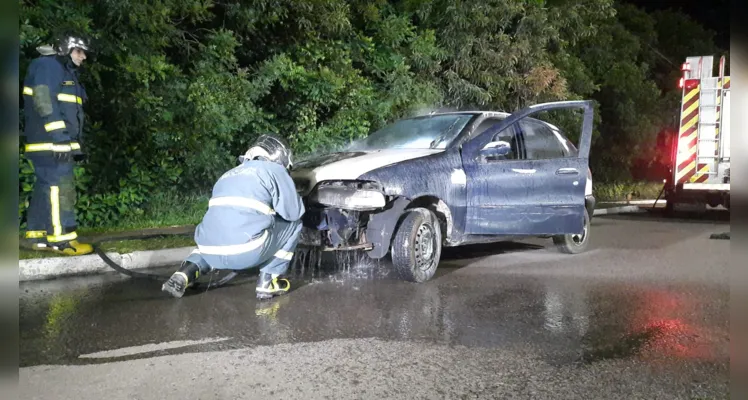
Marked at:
<point>244,206</point>
<point>53,106</point>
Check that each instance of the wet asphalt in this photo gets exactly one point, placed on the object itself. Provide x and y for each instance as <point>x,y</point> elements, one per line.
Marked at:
<point>644,313</point>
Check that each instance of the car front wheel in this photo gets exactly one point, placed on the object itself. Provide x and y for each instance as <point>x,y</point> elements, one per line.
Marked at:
<point>574,243</point>
<point>417,246</point>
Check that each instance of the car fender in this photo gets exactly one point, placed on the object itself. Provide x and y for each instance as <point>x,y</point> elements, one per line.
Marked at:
<point>439,177</point>
<point>382,226</point>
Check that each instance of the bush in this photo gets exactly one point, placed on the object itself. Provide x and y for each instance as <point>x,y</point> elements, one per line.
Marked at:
<point>25,187</point>
<point>92,209</point>
<point>135,206</point>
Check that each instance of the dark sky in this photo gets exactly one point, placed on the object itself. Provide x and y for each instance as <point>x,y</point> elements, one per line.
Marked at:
<point>712,14</point>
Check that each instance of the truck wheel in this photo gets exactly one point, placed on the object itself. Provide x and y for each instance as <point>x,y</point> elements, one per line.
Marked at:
<point>574,243</point>
<point>417,246</point>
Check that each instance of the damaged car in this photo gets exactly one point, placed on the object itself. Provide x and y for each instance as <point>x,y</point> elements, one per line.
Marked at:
<point>449,179</point>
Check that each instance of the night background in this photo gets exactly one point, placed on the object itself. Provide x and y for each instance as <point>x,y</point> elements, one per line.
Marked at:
<point>713,15</point>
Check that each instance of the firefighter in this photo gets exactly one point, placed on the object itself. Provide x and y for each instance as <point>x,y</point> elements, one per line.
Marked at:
<point>53,107</point>
<point>253,220</point>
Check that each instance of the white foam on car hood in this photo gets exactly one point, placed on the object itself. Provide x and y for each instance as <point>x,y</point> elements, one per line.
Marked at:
<point>357,164</point>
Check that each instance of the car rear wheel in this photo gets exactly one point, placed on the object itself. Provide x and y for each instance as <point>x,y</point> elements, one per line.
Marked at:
<point>417,246</point>
<point>574,243</point>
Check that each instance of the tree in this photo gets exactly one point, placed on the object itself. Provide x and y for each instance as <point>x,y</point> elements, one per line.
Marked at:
<point>179,88</point>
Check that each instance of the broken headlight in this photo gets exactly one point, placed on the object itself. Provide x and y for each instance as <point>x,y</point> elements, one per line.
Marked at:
<point>349,195</point>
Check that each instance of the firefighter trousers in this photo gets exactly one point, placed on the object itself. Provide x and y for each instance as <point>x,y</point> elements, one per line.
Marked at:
<point>272,256</point>
<point>51,213</point>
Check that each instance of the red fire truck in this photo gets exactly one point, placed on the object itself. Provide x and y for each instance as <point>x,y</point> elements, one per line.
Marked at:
<point>700,156</point>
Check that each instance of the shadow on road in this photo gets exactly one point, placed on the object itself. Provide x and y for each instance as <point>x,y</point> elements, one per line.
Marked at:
<point>486,250</point>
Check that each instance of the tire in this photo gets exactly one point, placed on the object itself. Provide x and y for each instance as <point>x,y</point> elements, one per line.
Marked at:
<point>571,244</point>
<point>417,246</point>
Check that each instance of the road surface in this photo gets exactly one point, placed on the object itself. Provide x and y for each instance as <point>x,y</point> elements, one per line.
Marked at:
<point>643,314</point>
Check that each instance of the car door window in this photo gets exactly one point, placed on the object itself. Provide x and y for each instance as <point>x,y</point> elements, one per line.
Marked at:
<point>484,126</point>
<point>539,141</point>
<point>509,135</point>
<point>569,149</point>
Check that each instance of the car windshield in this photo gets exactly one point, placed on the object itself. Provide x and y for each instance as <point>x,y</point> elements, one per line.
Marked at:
<point>427,132</point>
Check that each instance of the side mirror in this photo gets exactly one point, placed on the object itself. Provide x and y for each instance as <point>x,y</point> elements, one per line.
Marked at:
<point>496,150</point>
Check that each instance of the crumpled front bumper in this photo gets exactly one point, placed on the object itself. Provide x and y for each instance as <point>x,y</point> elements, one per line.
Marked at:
<point>310,237</point>
<point>335,229</point>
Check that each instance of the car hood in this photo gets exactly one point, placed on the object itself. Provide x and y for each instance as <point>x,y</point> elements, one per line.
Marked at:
<point>350,165</point>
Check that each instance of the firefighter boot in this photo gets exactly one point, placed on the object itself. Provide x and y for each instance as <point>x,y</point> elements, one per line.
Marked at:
<point>269,285</point>
<point>182,279</point>
<point>71,248</point>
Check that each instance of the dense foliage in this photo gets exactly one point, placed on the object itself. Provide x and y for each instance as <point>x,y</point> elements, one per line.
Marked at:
<point>178,88</point>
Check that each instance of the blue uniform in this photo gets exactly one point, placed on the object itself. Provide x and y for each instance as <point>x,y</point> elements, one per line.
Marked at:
<point>53,108</point>
<point>253,220</point>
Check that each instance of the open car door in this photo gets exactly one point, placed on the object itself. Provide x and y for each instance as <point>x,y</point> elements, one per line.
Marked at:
<point>518,183</point>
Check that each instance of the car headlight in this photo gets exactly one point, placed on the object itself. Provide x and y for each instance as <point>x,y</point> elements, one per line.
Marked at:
<point>349,195</point>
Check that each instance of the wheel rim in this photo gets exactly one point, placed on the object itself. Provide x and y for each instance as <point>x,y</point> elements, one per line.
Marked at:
<point>425,246</point>
<point>579,239</point>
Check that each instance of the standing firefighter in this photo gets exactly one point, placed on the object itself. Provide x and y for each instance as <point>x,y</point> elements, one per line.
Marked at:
<point>253,220</point>
<point>53,106</point>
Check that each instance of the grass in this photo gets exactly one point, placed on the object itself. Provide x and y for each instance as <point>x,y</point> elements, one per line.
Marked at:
<point>123,246</point>
<point>168,209</point>
<point>620,191</point>
<point>163,210</point>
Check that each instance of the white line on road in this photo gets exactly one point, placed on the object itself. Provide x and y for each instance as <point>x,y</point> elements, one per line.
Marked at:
<point>128,351</point>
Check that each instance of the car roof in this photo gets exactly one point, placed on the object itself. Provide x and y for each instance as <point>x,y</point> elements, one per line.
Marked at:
<point>472,112</point>
<point>488,114</point>
<point>484,113</point>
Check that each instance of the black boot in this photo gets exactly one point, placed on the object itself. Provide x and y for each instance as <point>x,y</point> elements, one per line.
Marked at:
<point>269,286</point>
<point>182,279</point>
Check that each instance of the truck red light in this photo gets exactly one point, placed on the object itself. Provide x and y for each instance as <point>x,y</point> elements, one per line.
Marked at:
<point>691,84</point>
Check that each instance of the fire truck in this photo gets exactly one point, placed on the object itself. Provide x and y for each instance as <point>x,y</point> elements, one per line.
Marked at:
<point>700,156</point>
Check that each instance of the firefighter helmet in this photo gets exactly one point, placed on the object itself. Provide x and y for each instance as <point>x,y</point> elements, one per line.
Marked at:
<point>272,148</point>
<point>67,43</point>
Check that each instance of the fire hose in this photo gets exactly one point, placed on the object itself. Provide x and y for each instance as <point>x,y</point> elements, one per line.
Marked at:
<point>144,275</point>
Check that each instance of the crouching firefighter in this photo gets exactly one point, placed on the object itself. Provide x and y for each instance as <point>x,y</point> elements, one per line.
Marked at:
<point>253,220</point>
<point>53,108</point>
